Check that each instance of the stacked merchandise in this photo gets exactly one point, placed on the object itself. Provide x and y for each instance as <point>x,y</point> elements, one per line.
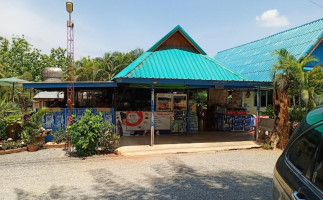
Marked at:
<point>192,120</point>
<point>238,122</point>
<point>235,122</point>
<point>178,124</point>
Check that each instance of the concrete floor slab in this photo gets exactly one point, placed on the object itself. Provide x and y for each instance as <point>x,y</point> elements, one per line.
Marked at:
<point>191,143</point>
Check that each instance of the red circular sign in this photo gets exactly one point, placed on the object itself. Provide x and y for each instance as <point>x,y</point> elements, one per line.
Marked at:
<point>134,118</point>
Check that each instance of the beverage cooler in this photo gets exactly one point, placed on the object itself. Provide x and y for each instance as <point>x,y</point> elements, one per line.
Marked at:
<point>178,123</point>
<point>164,102</point>
<point>177,103</point>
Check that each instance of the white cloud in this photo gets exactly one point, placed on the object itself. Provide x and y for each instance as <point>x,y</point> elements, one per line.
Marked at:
<point>272,18</point>
<point>19,19</point>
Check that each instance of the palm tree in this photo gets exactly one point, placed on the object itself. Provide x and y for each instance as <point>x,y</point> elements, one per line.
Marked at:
<point>290,80</point>
<point>283,75</point>
<point>105,68</point>
<point>87,70</point>
<point>110,65</point>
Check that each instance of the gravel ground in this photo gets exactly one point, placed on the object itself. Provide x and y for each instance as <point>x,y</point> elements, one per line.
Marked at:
<point>49,174</point>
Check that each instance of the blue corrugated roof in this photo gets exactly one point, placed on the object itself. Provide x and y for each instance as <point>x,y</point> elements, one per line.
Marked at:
<point>254,60</point>
<point>176,63</point>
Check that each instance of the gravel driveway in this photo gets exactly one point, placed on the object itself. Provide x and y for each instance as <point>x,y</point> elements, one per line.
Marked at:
<point>49,174</point>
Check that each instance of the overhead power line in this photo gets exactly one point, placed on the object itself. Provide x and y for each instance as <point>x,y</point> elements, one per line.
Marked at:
<point>315,3</point>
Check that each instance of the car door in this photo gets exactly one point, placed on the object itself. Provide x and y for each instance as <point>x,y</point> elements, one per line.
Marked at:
<point>304,159</point>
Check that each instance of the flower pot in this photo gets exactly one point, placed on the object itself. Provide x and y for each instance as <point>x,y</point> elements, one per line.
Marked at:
<point>32,148</point>
<point>40,138</point>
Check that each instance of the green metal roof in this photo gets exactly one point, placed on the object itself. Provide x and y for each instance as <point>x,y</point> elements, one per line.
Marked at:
<point>177,64</point>
<point>254,60</point>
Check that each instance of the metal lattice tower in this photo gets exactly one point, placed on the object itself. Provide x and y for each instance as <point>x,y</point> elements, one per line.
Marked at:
<point>70,57</point>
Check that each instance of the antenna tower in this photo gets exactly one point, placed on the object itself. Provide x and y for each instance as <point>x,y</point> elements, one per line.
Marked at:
<point>70,56</point>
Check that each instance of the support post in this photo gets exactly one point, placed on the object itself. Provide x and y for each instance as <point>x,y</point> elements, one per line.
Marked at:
<point>258,110</point>
<point>152,129</point>
<point>13,92</point>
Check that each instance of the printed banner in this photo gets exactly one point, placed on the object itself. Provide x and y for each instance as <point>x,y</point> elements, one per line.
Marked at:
<point>162,120</point>
<point>130,122</point>
<point>55,120</point>
<point>58,118</point>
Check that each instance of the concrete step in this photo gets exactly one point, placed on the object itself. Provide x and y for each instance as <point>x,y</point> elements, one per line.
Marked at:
<point>159,149</point>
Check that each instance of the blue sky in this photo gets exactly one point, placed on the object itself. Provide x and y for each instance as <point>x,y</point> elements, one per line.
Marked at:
<point>120,25</point>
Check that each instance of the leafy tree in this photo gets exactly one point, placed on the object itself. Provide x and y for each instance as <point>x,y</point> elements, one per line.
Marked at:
<point>18,58</point>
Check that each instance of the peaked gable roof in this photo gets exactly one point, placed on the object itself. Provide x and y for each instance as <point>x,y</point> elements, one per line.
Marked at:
<point>177,63</point>
<point>177,30</point>
<point>254,60</point>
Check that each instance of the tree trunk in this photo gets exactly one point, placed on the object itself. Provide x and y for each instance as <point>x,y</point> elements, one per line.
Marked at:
<point>280,134</point>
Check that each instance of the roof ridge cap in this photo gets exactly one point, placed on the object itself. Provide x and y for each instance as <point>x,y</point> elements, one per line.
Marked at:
<point>273,35</point>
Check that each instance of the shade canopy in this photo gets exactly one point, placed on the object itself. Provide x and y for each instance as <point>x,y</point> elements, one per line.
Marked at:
<point>10,81</point>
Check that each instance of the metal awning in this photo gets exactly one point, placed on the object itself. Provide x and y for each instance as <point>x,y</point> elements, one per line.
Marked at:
<point>95,84</point>
<point>191,83</point>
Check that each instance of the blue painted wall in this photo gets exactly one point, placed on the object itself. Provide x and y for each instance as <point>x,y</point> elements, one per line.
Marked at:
<point>318,53</point>
<point>58,118</point>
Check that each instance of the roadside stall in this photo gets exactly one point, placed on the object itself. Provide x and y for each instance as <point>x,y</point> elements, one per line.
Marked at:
<point>153,94</point>
<point>172,114</point>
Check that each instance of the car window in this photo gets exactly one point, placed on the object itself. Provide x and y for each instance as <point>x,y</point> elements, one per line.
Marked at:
<point>302,151</point>
<point>317,178</point>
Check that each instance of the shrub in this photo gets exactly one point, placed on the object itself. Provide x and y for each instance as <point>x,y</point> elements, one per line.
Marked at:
<point>59,136</point>
<point>86,133</point>
<point>3,131</point>
<point>109,140</point>
<point>32,126</point>
<point>296,113</point>
<point>269,111</point>
<point>266,146</point>
<point>10,114</point>
<point>11,145</point>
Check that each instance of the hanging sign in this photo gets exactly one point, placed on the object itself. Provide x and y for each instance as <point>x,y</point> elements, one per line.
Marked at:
<point>219,87</point>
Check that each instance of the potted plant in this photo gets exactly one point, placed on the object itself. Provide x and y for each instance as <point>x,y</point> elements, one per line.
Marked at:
<point>31,128</point>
